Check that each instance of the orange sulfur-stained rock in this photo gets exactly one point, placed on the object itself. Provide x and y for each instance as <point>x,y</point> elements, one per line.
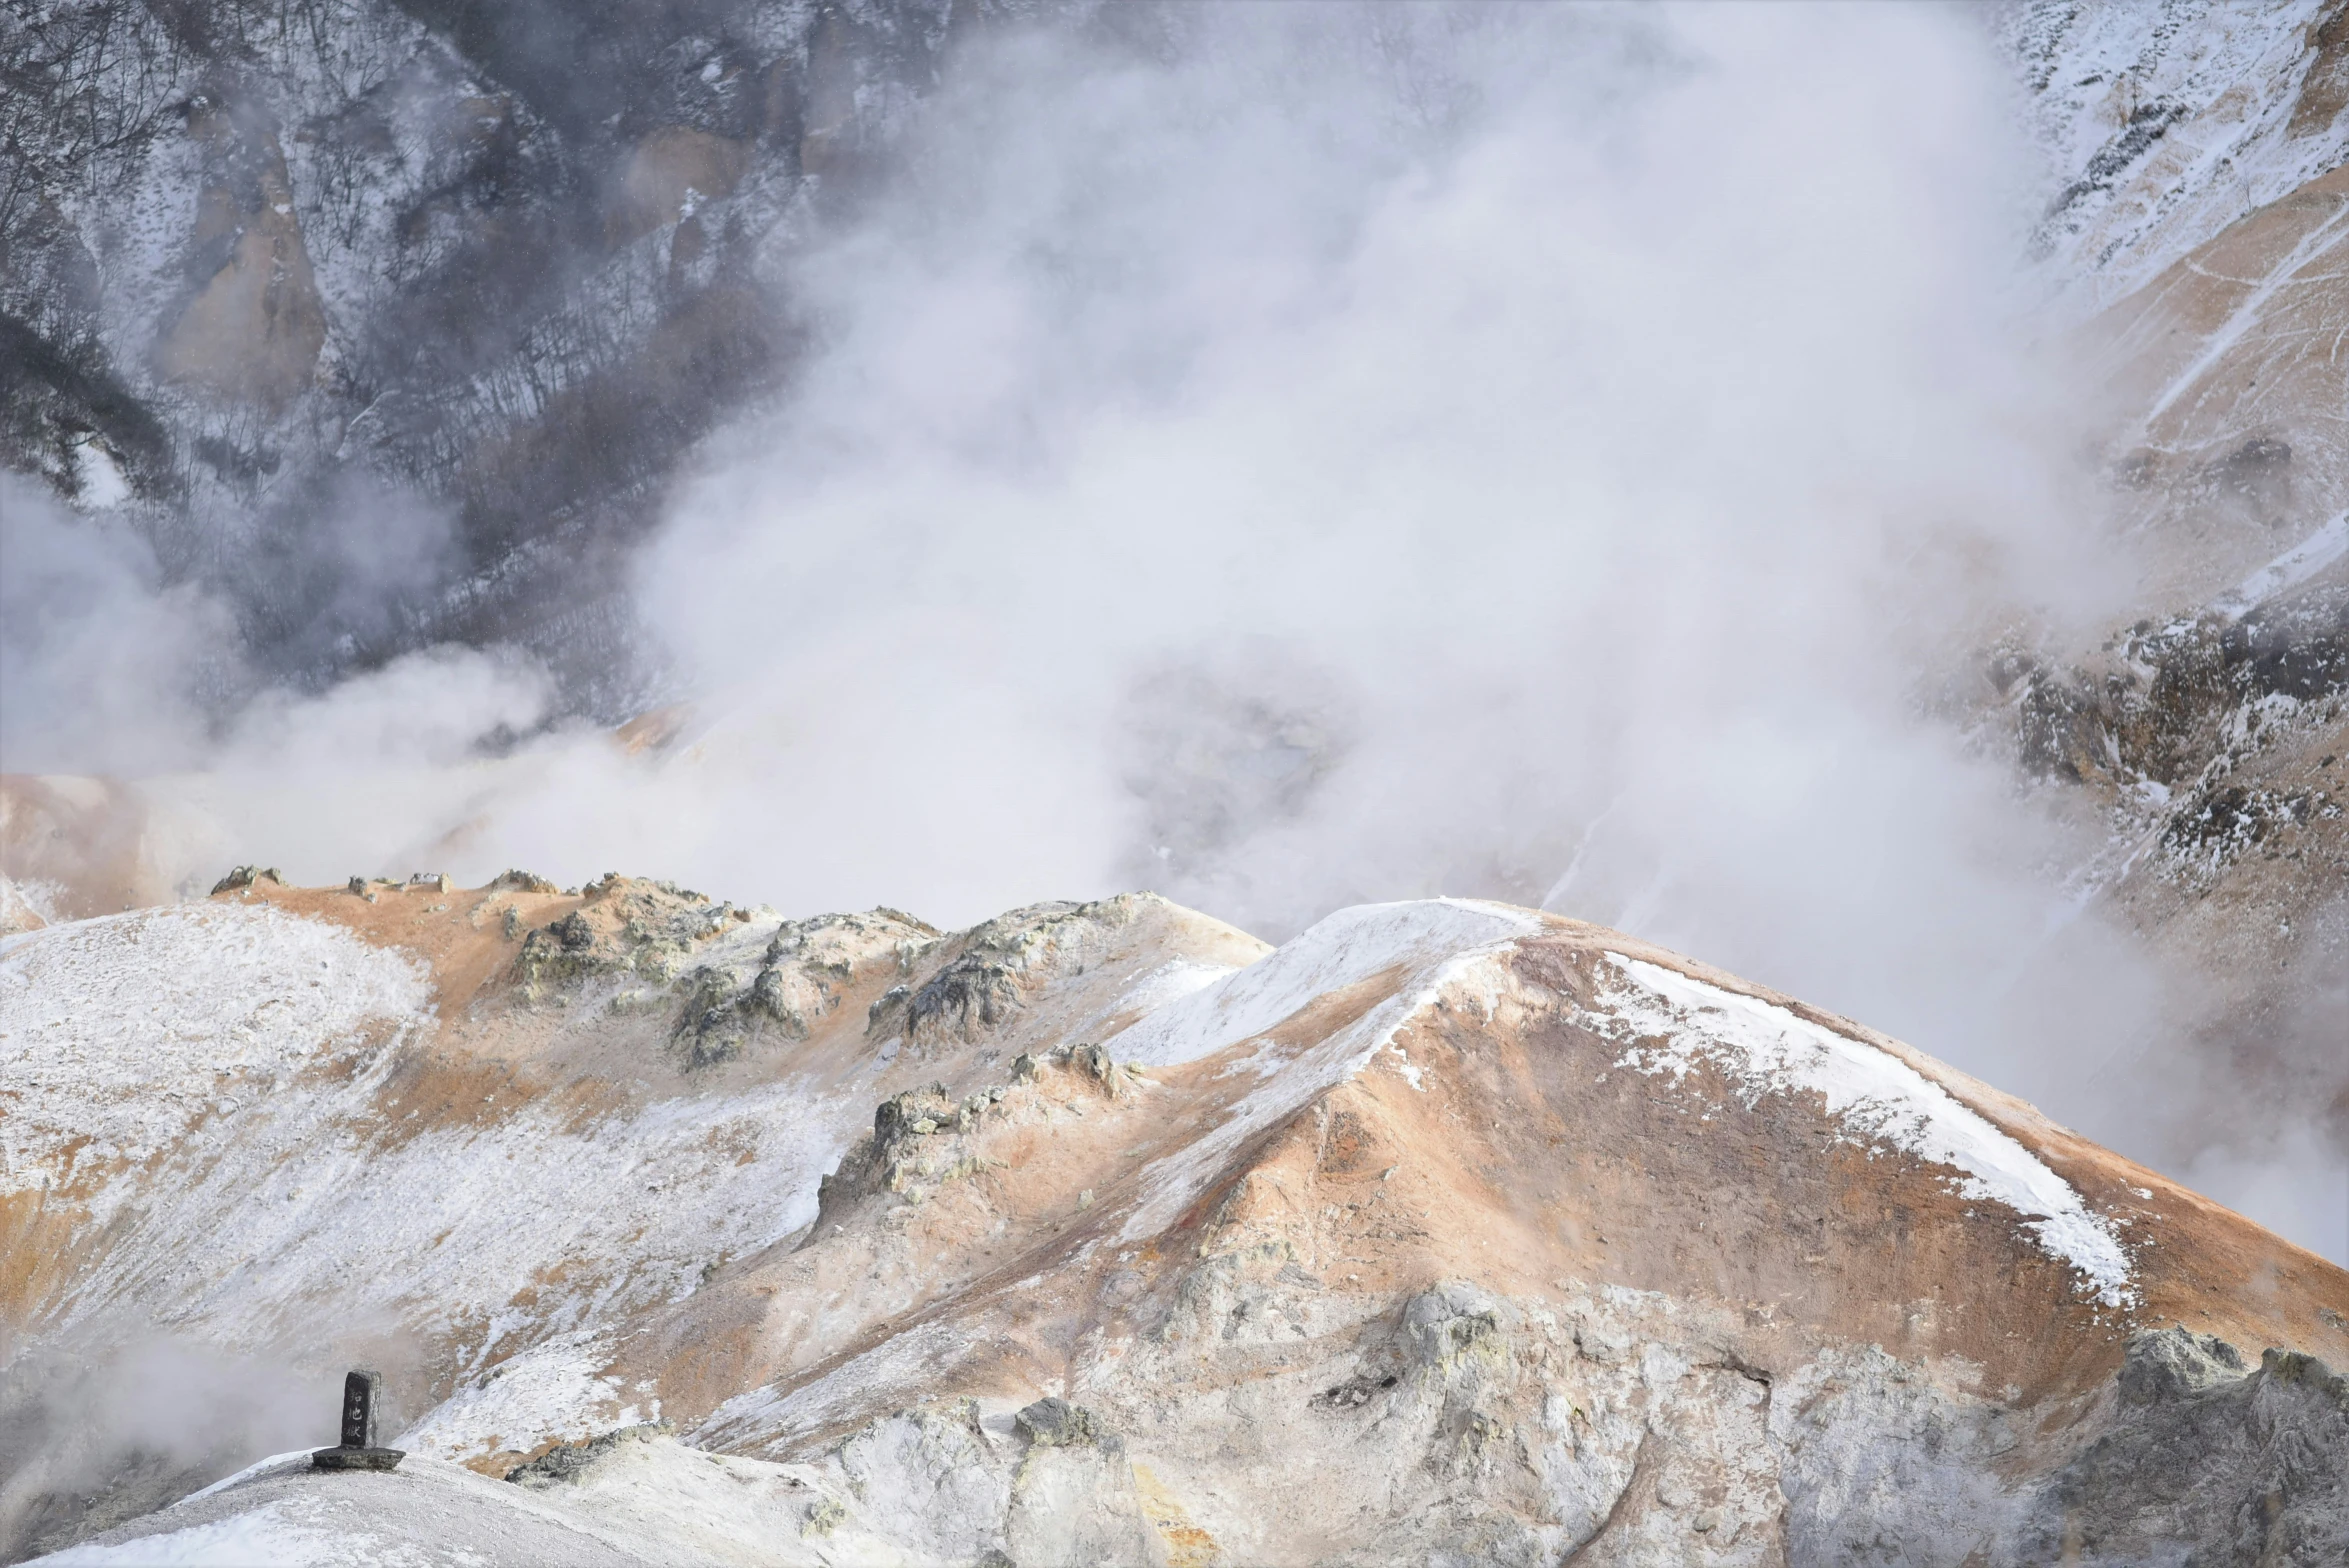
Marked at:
<point>1099,1233</point>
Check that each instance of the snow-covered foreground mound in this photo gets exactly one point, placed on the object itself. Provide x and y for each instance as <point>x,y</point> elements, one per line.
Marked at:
<point>1447,1232</point>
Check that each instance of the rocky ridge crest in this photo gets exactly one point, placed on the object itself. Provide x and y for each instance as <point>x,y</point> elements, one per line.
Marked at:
<point>1447,1230</point>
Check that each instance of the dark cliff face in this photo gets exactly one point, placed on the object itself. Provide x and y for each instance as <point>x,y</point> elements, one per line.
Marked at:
<point>393,319</point>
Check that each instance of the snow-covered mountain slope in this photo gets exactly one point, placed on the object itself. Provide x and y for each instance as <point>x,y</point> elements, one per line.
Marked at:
<point>1095,1234</point>
<point>2165,122</point>
<point>2193,238</point>
<point>2194,241</point>
<point>390,320</point>
<point>438,1123</point>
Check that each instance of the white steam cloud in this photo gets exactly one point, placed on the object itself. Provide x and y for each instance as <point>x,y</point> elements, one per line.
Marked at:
<point>1560,454</point>
<point>108,1433</point>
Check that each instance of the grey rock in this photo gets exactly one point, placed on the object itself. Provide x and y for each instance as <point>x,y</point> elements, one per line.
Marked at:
<point>2205,1466</point>
<point>567,1463</point>
<point>2173,1363</point>
<point>1055,1423</point>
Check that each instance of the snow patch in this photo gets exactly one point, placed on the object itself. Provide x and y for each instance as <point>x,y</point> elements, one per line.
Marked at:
<point>553,1390</point>
<point>1428,945</point>
<point>1346,949</point>
<point>120,1036</point>
<point>1407,1067</point>
<point>771,1417</point>
<point>103,483</point>
<point>28,905</point>
<point>263,1538</point>
<point>2287,571</point>
<point>2161,124</point>
<point>216,1071</point>
<point>1670,1022</point>
<point>1169,982</point>
<point>291,1459</point>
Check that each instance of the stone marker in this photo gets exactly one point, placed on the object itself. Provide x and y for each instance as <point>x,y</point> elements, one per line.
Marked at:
<point>362,1396</point>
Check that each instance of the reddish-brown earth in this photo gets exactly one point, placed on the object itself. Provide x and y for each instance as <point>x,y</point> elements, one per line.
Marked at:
<point>1447,1232</point>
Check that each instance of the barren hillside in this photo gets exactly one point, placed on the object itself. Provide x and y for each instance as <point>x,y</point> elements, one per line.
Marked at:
<point>1099,1233</point>
<point>341,337</point>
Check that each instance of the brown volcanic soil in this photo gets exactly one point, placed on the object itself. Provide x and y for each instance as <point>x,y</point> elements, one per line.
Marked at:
<point>1523,1159</point>
<point>81,842</point>
<point>1419,1256</point>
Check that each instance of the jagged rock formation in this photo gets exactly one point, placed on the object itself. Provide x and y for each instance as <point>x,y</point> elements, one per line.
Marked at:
<point>285,280</point>
<point>1093,1234</point>
<point>272,276</point>
<point>2197,234</point>
<point>1446,1232</point>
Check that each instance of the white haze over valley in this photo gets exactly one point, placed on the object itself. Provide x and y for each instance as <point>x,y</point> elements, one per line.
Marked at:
<point>1560,455</point>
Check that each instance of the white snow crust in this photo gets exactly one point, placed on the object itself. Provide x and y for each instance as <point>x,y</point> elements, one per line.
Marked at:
<point>121,1036</point>
<point>772,1418</point>
<point>2223,78</point>
<point>1671,1021</point>
<point>426,1514</point>
<point>552,1389</point>
<point>1169,982</point>
<point>216,1070</point>
<point>1430,944</point>
<point>291,1459</point>
<point>262,1538</point>
<point>2287,571</point>
<point>1345,949</point>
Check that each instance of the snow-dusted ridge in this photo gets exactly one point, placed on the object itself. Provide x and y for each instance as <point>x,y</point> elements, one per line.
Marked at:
<point>260,1535</point>
<point>216,1070</point>
<point>556,1385</point>
<point>1668,1021</point>
<point>1429,943</point>
<point>1343,950</point>
<point>1266,1375</point>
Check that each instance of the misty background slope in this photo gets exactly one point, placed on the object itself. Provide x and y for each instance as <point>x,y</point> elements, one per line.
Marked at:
<point>1768,480</point>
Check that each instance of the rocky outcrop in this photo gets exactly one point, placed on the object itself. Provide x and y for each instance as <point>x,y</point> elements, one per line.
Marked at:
<point>2207,1450</point>
<point>2194,244</point>
<point>272,272</point>
<point>251,331</point>
<point>1446,1231</point>
<point>2216,746</point>
<point>490,1058</point>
